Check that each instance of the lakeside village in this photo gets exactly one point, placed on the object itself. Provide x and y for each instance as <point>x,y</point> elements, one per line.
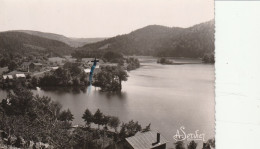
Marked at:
<point>31,121</point>
<point>67,71</point>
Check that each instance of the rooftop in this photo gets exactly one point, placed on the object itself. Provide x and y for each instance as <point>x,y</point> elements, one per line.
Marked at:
<point>15,72</point>
<point>26,63</point>
<point>39,64</point>
<point>20,75</point>
<point>87,70</point>
<point>145,140</point>
<point>7,76</point>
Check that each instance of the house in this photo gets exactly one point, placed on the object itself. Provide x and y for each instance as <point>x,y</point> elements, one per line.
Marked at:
<point>25,66</point>
<point>7,76</point>
<point>21,75</point>
<point>35,67</point>
<point>54,68</point>
<point>87,71</point>
<point>146,140</point>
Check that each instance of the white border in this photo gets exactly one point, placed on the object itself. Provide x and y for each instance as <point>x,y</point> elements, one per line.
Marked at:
<point>237,74</point>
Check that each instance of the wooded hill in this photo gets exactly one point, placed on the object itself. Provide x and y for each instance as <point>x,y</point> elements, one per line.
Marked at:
<point>156,40</point>
<point>73,42</point>
<point>22,43</point>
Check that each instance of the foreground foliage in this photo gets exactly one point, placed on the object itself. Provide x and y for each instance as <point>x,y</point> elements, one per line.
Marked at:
<point>25,117</point>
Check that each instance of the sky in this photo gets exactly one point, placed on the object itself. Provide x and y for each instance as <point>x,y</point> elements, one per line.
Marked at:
<point>101,18</point>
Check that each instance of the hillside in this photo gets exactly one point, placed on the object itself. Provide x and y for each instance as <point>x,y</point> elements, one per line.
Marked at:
<point>73,42</point>
<point>158,40</point>
<point>22,43</point>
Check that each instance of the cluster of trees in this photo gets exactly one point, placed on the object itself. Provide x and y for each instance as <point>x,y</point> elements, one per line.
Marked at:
<point>193,145</point>
<point>209,58</point>
<point>9,60</point>
<point>132,63</point>
<point>69,75</point>
<point>110,78</point>
<point>99,118</point>
<point>25,117</point>
<point>164,60</point>
<point>34,118</point>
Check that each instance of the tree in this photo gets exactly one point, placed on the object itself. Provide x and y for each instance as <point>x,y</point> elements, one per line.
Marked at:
<point>12,66</point>
<point>123,131</point>
<point>34,81</point>
<point>97,118</point>
<point>192,145</point>
<point>65,116</point>
<point>21,101</point>
<point>129,129</point>
<point>133,63</point>
<point>88,117</point>
<point>179,145</point>
<point>105,120</point>
<point>208,58</point>
<point>73,68</point>
<point>114,122</point>
<point>147,128</point>
<point>122,75</point>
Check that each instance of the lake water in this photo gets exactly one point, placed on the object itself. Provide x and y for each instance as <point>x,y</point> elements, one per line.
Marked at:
<point>167,96</point>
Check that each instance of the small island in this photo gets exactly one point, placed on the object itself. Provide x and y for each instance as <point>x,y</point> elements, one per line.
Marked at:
<point>164,61</point>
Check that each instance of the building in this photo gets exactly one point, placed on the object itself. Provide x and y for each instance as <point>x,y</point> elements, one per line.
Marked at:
<point>146,140</point>
<point>7,76</point>
<point>87,71</point>
<point>35,67</point>
<point>21,75</point>
<point>54,68</point>
<point>25,66</point>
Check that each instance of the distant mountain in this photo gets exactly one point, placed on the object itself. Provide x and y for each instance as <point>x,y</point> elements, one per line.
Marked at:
<point>23,43</point>
<point>158,40</point>
<point>73,42</point>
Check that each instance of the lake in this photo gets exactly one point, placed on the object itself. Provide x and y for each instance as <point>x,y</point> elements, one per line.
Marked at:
<point>167,96</point>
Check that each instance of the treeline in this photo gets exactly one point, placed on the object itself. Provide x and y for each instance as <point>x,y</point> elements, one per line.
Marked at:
<point>106,56</point>
<point>209,58</point>
<point>109,56</point>
<point>26,120</point>
<point>69,75</point>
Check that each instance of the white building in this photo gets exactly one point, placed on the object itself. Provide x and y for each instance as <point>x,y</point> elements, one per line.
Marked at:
<point>7,76</point>
<point>20,75</point>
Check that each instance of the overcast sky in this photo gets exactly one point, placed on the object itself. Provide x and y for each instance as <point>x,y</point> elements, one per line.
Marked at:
<point>101,18</point>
